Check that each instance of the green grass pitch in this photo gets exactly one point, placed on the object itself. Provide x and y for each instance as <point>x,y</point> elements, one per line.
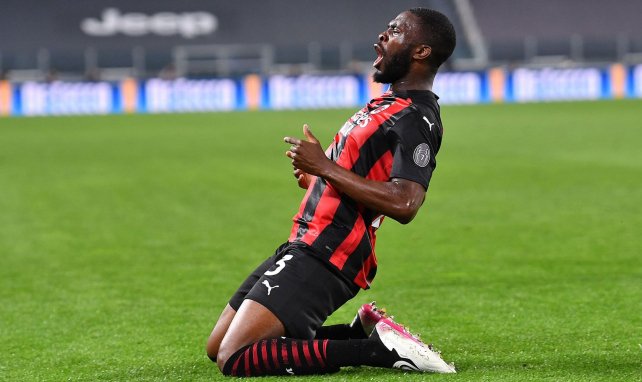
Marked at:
<point>121,238</point>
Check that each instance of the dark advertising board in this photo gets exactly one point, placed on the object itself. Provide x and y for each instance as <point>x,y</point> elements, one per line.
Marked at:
<point>65,24</point>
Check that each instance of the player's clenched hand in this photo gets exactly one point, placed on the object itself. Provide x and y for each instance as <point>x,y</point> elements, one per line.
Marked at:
<point>307,155</point>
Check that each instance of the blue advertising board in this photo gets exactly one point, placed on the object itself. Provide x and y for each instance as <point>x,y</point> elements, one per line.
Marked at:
<point>310,92</point>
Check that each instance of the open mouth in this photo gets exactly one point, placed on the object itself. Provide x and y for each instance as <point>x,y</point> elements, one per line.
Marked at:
<point>379,58</point>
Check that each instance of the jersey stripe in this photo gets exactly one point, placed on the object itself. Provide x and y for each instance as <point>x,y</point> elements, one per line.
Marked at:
<point>356,263</point>
<point>327,208</point>
<point>306,214</point>
<point>347,247</point>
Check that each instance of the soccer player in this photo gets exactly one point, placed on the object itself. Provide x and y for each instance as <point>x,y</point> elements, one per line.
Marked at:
<point>379,164</point>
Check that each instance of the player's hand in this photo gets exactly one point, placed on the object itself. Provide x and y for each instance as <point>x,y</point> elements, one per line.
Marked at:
<point>304,180</point>
<point>307,155</point>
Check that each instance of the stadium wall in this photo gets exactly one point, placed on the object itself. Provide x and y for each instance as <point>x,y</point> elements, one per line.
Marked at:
<point>310,92</point>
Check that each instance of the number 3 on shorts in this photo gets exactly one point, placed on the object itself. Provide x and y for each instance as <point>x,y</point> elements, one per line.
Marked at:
<point>281,265</point>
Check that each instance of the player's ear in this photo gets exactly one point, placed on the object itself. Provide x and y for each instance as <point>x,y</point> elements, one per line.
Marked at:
<point>422,52</point>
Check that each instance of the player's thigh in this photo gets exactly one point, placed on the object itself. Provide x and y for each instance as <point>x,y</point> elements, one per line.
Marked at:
<point>253,322</point>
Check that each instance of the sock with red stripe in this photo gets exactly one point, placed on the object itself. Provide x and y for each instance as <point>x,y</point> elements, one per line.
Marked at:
<point>280,356</point>
<point>286,356</point>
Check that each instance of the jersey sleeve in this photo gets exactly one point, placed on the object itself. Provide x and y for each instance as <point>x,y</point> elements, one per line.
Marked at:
<point>414,144</point>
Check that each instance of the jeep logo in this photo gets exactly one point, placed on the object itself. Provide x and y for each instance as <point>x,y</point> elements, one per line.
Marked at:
<point>187,24</point>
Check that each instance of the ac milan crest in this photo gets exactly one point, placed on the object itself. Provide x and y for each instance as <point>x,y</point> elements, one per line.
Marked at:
<point>421,156</point>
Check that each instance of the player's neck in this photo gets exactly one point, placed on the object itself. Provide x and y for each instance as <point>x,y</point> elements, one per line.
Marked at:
<point>413,82</point>
<point>401,86</point>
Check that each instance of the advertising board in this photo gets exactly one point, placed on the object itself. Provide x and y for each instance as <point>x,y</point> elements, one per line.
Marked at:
<point>310,92</point>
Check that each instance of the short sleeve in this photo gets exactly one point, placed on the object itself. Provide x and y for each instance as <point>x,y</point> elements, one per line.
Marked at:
<point>414,144</point>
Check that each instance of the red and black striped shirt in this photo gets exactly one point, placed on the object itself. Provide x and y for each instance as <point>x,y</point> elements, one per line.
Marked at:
<point>394,136</point>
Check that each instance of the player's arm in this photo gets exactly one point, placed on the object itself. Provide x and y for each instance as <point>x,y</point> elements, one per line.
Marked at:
<point>398,198</point>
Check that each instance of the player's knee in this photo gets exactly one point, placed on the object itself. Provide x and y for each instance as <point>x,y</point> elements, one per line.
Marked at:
<point>211,349</point>
<point>211,356</point>
<point>221,359</point>
<point>227,353</point>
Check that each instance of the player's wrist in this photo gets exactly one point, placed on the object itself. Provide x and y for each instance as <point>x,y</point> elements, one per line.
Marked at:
<point>327,169</point>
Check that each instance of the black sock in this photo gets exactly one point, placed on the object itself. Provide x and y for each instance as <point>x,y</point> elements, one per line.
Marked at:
<point>369,352</point>
<point>342,331</point>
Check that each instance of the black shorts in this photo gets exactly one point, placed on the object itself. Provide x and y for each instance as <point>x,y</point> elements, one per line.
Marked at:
<point>298,288</point>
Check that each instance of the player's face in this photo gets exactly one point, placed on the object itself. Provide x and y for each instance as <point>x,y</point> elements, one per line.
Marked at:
<point>395,49</point>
